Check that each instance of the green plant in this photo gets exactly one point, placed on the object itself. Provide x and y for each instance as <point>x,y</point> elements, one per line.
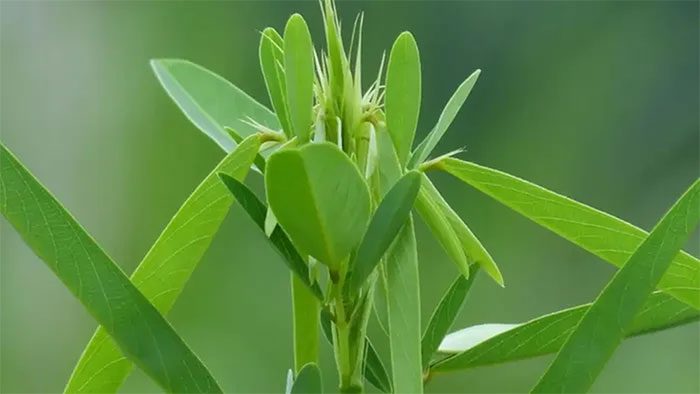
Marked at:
<point>342,178</point>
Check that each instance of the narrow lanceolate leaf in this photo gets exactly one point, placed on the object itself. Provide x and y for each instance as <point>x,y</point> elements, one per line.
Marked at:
<point>256,211</point>
<point>56,237</point>
<point>211,102</point>
<point>432,214</point>
<point>471,245</point>
<point>320,200</point>
<point>489,344</point>
<point>403,94</point>
<point>271,58</point>
<point>259,160</point>
<point>388,219</point>
<point>308,380</point>
<point>606,236</point>
<point>299,74</point>
<point>306,324</point>
<point>446,117</point>
<point>601,329</point>
<point>444,316</point>
<point>166,268</point>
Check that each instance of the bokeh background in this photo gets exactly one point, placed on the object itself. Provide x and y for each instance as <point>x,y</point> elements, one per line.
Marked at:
<point>597,100</point>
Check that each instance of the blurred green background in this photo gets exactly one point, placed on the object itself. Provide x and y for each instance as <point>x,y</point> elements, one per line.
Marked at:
<point>596,100</point>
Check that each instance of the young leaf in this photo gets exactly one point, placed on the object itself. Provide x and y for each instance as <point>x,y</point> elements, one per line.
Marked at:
<point>308,380</point>
<point>600,331</point>
<point>388,219</point>
<point>444,315</point>
<point>256,211</point>
<point>56,237</point>
<point>471,245</point>
<point>319,198</point>
<point>403,94</point>
<point>259,160</point>
<point>606,236</point>
<point>299,74</point>
<point>271,57</point>
<point>489,344</point>
<point>166,268</point>
<point>446,117</point>
<point>211,102</point>
<point>306,318</point>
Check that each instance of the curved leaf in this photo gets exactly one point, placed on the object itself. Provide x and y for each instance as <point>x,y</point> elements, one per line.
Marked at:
<point>604,235</point>
<point>299,74</point>
<point>308,380</point>
<point>271,61</point>
<point>136,326</point>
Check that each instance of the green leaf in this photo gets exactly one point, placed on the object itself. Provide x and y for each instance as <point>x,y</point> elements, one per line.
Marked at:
<point>308,380</point>
<point>606,236</point>
<point>446,117</point>
<point>489,344</point>
<point>600,331</point>
<point>403,94</point>
<point>306,323</point>
<point>433,215</point>
<point>471,246</point>
<point>271,60</point>
<point>320,200</point>
<point>54,235</point>
<point>256,210</point>
<point>388,219</point>
<point>211,102</point>
<point>166,268</point>
<point>444,315</point>
<point>259,160</point>
<point>299,73</point>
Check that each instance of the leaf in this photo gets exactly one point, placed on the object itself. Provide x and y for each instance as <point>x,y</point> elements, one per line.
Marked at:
<point>259,160</point>
<point>446,117</point>
<point>374,370</point>
<point>140,331</point>
<point>388,219</point>
<point>444,315</point>
<point>606,236</point>
<point>403,94</point>
<point>211,102</point>
<point>320,200</point>
<point>256,211</point>
<point>306,320</point>
<point>271,58</point>
<point>471,246</point>
<point>166,268</point>
<point>433,215</point>
<point>489,344</point>
<point>600,331</point>
<point>289,382</point>
<point>299,74</point>
<point>308,380</point>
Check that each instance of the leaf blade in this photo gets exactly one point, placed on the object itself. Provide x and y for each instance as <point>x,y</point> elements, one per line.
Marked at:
<point>306,310</point>
<point>299,74</point>
<point>271,56</point>
<point>308,380</point>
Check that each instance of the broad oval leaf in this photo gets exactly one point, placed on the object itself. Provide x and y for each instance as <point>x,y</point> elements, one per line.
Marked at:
<point>444,121</point>
<point>308,380</point>
<point>488,344</point>
<point>137,327</point>
<point>320,200</point>
<point>299,74</point>
<point>210,101</point>
<point>604,235</point>
<point>403,94</point>
<point>601,329</point>
<point>271,61</point>
<point>388,219</point>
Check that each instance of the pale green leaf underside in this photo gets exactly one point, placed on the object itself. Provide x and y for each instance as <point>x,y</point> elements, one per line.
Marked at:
<point>604,235</point>
<point>166,268</point>
<point>299,74</point>
<point>55,236</point>
<point>601,329</point>
<point>210,101</point>
<point>489,344</point>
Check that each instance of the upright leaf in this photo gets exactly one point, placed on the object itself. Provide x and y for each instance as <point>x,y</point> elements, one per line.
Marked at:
<point>388,219</point>
<point>319,198</point>
<point>308,380</point>
<point>306,323</point>
<point>54,235</point>
<point>403,94</point>
<point>601,329</point>
<point>271,60</point>
<point>211,102</point>
<point>446,117</point>
<point>606,236</point>
<point>444,315</point>
<point>299,74</point>
<point>489,344</point>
